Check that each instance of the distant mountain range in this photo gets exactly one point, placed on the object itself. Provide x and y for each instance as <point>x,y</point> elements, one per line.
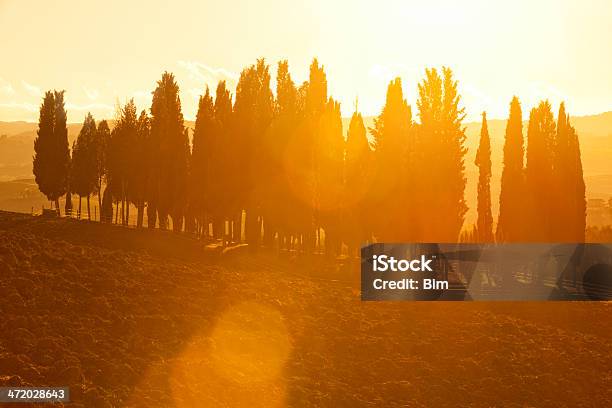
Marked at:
<point>595,132</point>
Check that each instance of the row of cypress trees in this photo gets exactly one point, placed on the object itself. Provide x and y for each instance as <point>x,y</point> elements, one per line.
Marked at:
<point>542,196</point>
<point>278,169</point>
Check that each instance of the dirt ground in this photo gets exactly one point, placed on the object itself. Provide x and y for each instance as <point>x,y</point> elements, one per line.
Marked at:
<point>132,318</point>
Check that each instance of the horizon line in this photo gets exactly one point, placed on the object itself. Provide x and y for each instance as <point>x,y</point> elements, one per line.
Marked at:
<point>343,117</point>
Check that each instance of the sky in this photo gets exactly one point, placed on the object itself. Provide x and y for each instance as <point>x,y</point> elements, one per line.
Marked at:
<point>103,53</point>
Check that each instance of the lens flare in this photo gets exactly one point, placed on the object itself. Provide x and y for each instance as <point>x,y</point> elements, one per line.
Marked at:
<point>240,364</point>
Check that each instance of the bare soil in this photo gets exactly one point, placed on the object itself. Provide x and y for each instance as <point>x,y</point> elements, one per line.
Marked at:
<point>148,319</point>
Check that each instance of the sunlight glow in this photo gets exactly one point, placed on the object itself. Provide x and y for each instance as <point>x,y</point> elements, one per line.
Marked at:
<point>240,364</point>
<point>497,48</point>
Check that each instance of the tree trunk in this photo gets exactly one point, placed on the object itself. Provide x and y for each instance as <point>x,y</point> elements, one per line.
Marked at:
<point>238,227</point>
<point>88,209</point>
<point>217,228</point>
<point>79,213</point>
<point>163,218</point>
<point>117,212</point>
<point>177,222</point>
<point>252,229</point>
<point>140,217</point>
<point>127,212</point>
<point>57,206</point>
<point>100,199</point>
<point>151,215</point>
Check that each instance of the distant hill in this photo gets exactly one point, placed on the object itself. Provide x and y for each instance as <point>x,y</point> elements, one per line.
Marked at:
<point>595,132</point>
<point>17,147</point>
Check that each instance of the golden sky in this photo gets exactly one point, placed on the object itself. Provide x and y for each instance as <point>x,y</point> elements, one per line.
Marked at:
<point>104,52</point>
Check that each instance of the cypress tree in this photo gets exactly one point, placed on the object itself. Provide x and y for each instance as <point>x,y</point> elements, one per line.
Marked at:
<point>264,162</point>
<point>357,184</point>
<point>183,212</point>
<point>440,152</point>
<point>170,157</point>
<point>299,167</point>
<point>253,110</point>
<point>68,203</point>
<point>569,204</point>
<point>316,97</point>
<point>577,189</point>
<point>101,146</point>
<point>225,178</point>
<point>329,161</point>
<point>76,181</point>
<point>121,157</point>
<point>288,208</point>
<point>561,202</point>
<point>484,226</point>
<point>314,94</point>
<point>243,145</point>
<point>51,161</point>
<point>141,166</point>
<point>84,165</point>
<point>278,205</point>
<point>539,173</point>
<point>393,140</point>
<point>511,218</point>
<point>43,162</point>
<point>60,134</point>
<point>202,161</point>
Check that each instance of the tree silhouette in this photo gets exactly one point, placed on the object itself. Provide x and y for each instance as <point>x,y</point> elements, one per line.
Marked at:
<point>170,155</point>
<point>316,103</point>
<point>484,225</point>
<point>183,214</point>
<point>44,145</point>
<point>121,154</point>
<point>274,181</point>
<point>441,150</point>
<point>316,97</point>
<point>51,161</point>
<point>202,162</point>
<point>140,166</point>
<point>60,134</point>
<point>329,160</point>
<point>357,185</point>
<point>394,143</point>
<point>224,171</point>
<point>539,175</point>
<point>577,189</point>
<point>84,163</point>
<point>101,146</point>
<point>511,218</point>
<point>68,203</point>
<point>568,207</point>
<point>253,111</point>
<point>561,202</point>
<point>299,166</point>
<point>286,208</point>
